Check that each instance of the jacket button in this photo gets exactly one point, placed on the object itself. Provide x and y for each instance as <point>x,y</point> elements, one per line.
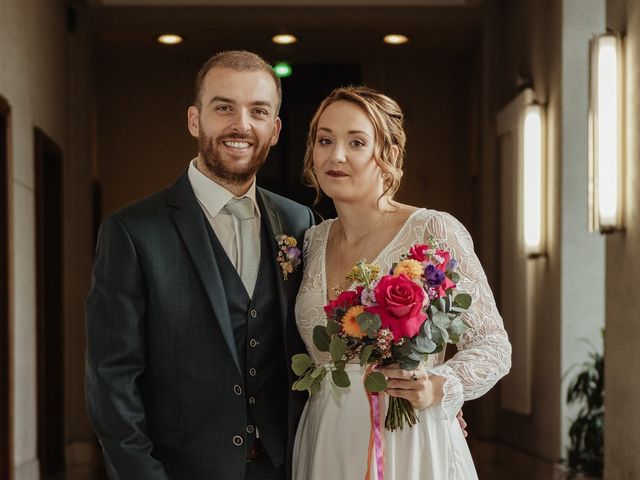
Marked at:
<point>250,429</point>
<point>237,389</point>
<point>252,372</point>
<point>253,343</point>
<point>253,313</point>
<point>238,440</point>
<point>252,400</point>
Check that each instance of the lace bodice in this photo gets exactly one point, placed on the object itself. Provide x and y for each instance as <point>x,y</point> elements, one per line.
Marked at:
<point>484,351</point>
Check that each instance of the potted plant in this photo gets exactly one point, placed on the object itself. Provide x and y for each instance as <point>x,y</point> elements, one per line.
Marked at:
<point>586,433</point>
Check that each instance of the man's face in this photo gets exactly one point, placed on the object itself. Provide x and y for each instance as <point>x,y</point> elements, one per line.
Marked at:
<point>236,124</point>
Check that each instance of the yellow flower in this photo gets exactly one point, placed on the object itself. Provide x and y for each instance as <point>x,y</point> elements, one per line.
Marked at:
<point>350,324</point>
<point>291,242</point>
<point>411,268</point>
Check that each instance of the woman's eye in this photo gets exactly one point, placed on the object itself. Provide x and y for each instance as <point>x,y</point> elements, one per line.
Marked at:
<point>357,143</point>
<point>324,141</point>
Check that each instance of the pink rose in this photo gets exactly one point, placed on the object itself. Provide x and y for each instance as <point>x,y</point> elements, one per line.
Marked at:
<point>345,300</point>
<point>399,306</point>
<point>419,252</point>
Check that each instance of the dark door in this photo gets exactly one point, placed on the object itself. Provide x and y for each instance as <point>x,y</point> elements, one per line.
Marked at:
<point>50,325</point>
<point>302,93</point>
<point>4,294</point>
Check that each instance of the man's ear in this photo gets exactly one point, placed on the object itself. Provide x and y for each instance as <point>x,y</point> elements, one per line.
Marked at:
<point>276,131</point>
<point>193,121</point>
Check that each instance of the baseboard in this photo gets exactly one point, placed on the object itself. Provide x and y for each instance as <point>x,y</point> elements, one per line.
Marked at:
<point>29,470</point>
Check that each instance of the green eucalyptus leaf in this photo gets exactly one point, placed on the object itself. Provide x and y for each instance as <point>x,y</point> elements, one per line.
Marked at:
<point>441,319</point>
<point>444,333</point>
<point>318,371</point>
<point>314,388</point>
<point>462,300</point>
<point>453,276</point>
<point>340,378</point>
<point>409,364</point>
<point>365,353</point>
<point>337,348</point>
<point>303,383</point>
<point>424,344</point>
<point>339,364</point>
<point>321,338</point>
<point>300,363</point>
<point>375,382</point>
<point>369,322</point>
<point>333,327</point>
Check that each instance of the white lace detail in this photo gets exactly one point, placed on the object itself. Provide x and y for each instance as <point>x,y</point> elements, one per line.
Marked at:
<point>484,351</point>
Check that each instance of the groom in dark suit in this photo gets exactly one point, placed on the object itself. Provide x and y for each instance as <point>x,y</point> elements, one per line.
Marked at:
<point>190,320</point>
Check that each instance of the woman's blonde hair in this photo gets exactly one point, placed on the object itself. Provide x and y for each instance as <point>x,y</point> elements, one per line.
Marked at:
<point>388,123</point>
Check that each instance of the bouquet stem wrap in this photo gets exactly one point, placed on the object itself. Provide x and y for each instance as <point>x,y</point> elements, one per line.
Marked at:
<point>376,438</point>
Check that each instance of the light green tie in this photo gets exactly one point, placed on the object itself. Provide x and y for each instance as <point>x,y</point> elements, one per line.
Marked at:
<point>249,254</point>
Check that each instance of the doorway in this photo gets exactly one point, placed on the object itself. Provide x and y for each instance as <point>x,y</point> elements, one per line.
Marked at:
<point>50,324</point>
<point>5,399</point>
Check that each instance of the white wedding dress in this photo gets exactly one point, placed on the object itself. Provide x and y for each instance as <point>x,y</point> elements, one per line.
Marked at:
<point>333,434</point>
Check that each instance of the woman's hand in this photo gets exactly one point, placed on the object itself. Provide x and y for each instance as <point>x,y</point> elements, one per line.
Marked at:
<point>420,389</point>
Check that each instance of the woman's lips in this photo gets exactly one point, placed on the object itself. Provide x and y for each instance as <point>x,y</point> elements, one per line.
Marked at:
<point>336,174</point>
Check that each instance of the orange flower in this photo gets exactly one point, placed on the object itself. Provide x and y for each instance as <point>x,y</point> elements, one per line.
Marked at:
<point>411,268</point>
<point>350,324</point>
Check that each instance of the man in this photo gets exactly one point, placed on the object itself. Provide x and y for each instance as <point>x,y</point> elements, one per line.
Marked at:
<point>190,319</point>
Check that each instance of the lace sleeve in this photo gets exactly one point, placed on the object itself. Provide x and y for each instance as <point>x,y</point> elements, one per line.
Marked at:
<point>484,351</point>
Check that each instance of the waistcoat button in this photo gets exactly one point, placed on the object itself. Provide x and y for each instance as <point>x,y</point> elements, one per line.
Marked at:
<point>238,440</point>
<point>252,372</point>
<point>253,313</point>
<point>237,389</point>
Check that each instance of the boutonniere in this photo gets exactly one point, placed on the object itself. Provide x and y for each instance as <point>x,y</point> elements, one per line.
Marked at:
<point>288,254</point>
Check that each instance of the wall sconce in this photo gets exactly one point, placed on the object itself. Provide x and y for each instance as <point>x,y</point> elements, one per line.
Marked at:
<point>606,134</point>
<point>532,179</point>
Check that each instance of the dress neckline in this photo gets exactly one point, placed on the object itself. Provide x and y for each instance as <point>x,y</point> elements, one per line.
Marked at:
<point>325,241</point>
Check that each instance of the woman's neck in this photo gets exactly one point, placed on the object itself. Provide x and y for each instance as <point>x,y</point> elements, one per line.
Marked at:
<point>357,220</point>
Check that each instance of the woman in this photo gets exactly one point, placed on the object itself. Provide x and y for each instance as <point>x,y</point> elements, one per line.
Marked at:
<point>354,155</point>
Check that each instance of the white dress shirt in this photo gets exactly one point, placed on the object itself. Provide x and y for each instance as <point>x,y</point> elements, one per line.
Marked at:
<point>213,197</point>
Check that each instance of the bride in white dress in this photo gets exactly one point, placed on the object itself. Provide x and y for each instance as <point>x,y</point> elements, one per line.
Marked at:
<point>354,155</point>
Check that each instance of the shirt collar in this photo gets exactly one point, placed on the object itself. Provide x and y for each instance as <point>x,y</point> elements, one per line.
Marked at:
<point>213,196</point>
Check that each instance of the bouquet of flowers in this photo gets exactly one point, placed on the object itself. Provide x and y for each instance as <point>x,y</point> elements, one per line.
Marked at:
<point>401,317</point>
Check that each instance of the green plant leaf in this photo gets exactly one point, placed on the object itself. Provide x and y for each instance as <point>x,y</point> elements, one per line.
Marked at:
<point>441,319</point>
<point>424,344</point>
<point>300,363</point>
<point>340,378</point>
<point>333,327</point>
<point>321,338</point>
<point>453,276</point>
<point>337,348</point>
<point>303,383</point>
<point>375,382</point>
<point>365,353</point>
<point>369,322</point>
<point>318,371</point>
<point>462,300</point>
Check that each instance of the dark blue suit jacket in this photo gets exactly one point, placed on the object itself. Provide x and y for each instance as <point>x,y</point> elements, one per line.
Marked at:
<point>162,368</point>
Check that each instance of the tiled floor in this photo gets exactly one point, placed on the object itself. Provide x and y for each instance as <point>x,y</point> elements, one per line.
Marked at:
<point>493,462</point>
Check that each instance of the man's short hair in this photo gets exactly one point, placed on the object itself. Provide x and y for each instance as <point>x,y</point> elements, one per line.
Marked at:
<point>240,61</point>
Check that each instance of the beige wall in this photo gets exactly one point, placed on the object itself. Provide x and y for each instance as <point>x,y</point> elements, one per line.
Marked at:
<point>622,364</point>
<point>530,49</point>
<point>33,63</point>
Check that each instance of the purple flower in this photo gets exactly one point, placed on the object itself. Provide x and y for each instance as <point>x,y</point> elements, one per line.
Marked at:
<point>433,276</point>
<point>293,252</point>
<point>452,265</point>
<point>368,296</point>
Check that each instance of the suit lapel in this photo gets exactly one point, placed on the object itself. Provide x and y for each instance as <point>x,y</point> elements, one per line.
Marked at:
<point>189,221</point>
<point>274,228</point>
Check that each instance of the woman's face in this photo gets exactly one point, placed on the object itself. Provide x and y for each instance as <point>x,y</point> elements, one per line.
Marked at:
<point>343,154</point>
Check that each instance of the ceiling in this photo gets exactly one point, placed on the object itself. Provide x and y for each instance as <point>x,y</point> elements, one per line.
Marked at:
<point>325,32</point>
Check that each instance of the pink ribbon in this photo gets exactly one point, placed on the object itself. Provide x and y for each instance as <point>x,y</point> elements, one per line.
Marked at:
<point>376,438</point>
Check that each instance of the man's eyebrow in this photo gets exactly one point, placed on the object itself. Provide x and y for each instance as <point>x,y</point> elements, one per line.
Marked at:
<point>258,103</point>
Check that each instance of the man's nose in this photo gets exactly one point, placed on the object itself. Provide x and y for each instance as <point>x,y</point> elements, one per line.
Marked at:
<point>241,121</point>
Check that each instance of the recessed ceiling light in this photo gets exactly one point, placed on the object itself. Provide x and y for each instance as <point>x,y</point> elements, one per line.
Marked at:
<point>284,39</point>
<point>169,39</point>
<point>395,39</point>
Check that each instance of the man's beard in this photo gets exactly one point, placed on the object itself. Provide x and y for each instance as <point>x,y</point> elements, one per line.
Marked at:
<point>215,163</point>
